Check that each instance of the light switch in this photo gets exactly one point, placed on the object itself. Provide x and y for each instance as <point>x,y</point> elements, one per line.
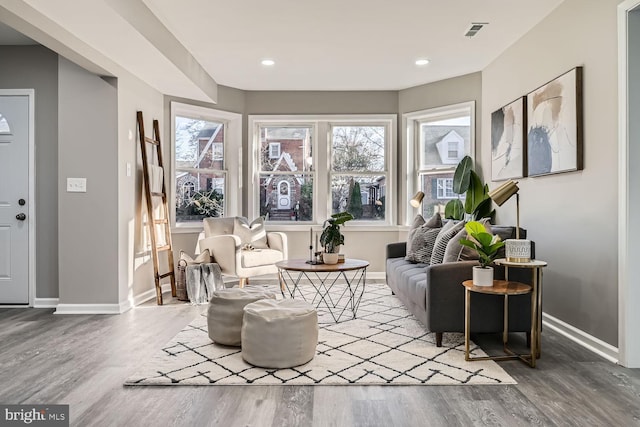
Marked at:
<point>76,185</point>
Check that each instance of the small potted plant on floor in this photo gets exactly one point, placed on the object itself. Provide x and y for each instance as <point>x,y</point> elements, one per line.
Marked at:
<point>487,246</point>
<point>331,238</point>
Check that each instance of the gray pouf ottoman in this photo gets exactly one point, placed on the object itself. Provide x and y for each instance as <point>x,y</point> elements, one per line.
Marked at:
<point>279,334</point>
<point>225,313</point>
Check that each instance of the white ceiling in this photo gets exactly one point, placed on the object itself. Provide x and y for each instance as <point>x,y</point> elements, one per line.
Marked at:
<point>317,45</point>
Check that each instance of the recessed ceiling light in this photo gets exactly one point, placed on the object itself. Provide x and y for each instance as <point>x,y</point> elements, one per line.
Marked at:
<point>268,62</point>
<point>422,61</point>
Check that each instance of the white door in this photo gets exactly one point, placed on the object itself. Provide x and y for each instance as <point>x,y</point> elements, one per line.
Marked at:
<point>14,199</point>
<point>284,196</point>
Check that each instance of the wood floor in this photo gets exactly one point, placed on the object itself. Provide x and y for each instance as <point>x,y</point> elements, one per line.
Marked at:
<point>82,360</point>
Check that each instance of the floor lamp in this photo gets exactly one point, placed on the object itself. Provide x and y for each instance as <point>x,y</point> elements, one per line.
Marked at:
<point>517,250</point>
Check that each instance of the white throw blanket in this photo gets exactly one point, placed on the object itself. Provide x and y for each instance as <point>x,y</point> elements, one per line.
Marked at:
<point>202,280</point>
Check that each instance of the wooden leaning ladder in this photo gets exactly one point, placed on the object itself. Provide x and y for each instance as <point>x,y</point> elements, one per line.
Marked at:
<point>152,221</point>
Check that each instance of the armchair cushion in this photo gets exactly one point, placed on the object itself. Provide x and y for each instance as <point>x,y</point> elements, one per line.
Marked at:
<point>217,226</point>
<point>253,234</point>
<point>259,257</point>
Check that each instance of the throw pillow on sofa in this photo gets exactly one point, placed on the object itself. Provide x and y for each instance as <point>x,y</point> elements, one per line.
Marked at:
<point>447,232</point>
<point>420,250</point>
<point>457,252</point>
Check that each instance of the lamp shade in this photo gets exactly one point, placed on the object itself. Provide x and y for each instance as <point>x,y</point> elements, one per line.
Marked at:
<point>417,199</point>
<point>504,192</point>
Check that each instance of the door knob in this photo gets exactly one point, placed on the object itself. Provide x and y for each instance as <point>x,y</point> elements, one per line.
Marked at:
<point>21,217</point>
<point>21,202</point>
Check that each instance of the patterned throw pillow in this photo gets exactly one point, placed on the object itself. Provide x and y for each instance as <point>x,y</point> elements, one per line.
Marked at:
<point>447,232</point>
<point>203,258</point>
<point>253,234</point>
<point>422,245</point>
<point>417,250</point>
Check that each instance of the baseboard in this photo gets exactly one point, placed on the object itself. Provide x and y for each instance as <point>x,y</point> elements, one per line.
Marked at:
<point>87,309</point>
<point>45,303</point>
<point>148,295</point>
<point>377,275</point>
<point>589,342</point>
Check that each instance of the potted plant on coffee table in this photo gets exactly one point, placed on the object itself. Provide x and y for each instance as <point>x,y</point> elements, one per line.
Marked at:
<point>331,237</point>
<point>487,246</point>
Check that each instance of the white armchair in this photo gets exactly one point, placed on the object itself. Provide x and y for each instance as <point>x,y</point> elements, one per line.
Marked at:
<point>227,240</point>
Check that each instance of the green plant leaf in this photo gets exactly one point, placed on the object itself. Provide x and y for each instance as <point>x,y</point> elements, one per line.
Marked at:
<point>462,175</point>
<point>341,217</point>
<point>474,227</point>
<point>483,210</point>
<point>475,193</point>
<point>454,209</point>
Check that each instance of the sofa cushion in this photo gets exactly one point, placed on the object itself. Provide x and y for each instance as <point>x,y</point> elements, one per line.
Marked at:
<point>422,245</point>
<point>408,281</point>
<point>260,257</point>
<point>446,233</point>
<point>217,226</point>
<point>457,252</point>
<point>253,234</point>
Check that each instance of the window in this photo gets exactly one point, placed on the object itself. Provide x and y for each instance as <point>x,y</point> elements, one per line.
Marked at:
<point>439,138</point>
<point>325,165</point>
<point>274,150</point>
<point>453,150</point>
<point>201,141</point>
<point>444,188</point>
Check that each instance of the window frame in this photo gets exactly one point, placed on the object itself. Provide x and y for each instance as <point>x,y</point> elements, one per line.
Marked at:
<point>413,161</point>
<point>232,158</point>
<point>321,167</point>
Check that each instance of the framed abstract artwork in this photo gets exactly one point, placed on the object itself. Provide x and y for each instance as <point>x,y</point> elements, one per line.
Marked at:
<point>508,136</point>
<point>554,120</point>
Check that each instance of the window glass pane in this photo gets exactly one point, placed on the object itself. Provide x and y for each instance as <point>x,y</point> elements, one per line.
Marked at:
<point>199,144</point>
<point>362,196</point>
<point>4,125</point>
<point>444,142</point>
<point>285,148</point>
<point>358,148</point>
<point>199,195</point>
<point>286,197</point>
<point>438,190</point>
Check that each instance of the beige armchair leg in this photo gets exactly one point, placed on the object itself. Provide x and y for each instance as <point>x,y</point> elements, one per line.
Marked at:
<point>243,281</point>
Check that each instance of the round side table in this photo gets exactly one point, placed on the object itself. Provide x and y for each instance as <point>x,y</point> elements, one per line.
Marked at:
<point>536,266</point>
<point>505,288</point>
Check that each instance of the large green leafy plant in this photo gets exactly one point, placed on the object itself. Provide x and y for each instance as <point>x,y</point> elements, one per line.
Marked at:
<point>331,237</point>
<point>484,243</point>
<point>477,202</point>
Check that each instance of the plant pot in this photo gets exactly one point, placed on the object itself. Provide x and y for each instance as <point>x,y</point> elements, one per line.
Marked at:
<point>330,258</point>
<point>482,276</point>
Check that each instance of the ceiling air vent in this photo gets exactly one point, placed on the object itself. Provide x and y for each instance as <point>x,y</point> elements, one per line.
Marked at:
<point>475,27</point>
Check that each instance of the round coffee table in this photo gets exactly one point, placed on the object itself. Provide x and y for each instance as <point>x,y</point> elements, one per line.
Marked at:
<point>336,287</point>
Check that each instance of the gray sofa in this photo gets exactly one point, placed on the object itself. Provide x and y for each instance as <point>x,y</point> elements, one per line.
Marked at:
<point>435,295</point>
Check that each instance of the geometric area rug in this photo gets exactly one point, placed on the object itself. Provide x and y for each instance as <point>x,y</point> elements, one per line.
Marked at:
<point>385,344</point>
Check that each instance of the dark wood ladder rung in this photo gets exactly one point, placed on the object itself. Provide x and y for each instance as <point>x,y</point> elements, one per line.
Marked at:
<point>158,195</point>
<point>162,276</point>
<point>163,248</point>
<point>151,141</point>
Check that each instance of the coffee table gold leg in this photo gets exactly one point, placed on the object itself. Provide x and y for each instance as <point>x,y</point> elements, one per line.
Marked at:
<point>467,316</point>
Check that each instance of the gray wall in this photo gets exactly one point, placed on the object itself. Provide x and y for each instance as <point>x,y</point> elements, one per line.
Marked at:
<point>26,67</point>
<point>87,222</point>
<point>571,216</point>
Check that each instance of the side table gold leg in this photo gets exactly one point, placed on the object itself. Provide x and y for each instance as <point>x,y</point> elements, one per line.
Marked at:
<point>467,316</point>
<point>539,309</point>
<point>534,325</point>
<point>505,322</point>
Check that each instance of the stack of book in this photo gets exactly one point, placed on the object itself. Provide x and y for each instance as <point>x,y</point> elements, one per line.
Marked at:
<point>340,258</point>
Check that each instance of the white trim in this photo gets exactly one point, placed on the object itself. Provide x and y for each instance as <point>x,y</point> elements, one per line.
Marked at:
<point>589,342</point>
<point>411,149</point>
<point>45,303</point>
<point>320,125</point>
<point>88,309</point>
<point>628,339</point>
<point>31,217</point>
<point>232,155</point>
<point>148,295</point>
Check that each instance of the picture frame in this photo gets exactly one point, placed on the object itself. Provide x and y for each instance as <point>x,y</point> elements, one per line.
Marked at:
<point>554,118</point>
<point>508,136</point>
